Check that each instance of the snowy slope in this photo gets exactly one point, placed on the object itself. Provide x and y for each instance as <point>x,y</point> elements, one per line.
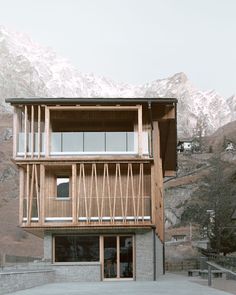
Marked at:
<point>30,70</point>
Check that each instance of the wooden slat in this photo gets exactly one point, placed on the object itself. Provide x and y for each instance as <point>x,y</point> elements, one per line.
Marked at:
<point>96,191</point>
<point>27,192</point>
<point>47,131</point>
<point>74,204</point>
<point>78,191</point>
<point>37,189</point>
<point>140,131</point>
<point>132,191</point>
<point>42,195</point>
<point>31,193</point>
<point>39,130</point>
<point>127,192</point>
<point>15,131</point>
<point>121,192</point>
<point>115,195</point>
<point>91,192</point>
<point>21,194</point>
<point>32,131</point>
<point>108,189</point>
<point>85,191</point>
<point>26,131</point>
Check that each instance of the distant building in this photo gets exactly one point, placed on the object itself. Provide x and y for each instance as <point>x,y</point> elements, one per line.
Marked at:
<point>179,237</point>
<point>188,145</point>
<point>229,146</point>
<point>184,146</point>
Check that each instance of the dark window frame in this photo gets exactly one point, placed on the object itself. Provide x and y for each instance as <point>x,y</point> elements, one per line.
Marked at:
<point>55,260</point>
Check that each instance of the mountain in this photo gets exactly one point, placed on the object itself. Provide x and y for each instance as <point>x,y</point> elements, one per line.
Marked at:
<point>31,70</point>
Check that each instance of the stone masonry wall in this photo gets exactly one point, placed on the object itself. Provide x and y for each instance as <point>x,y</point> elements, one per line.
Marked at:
<point>19,280</point>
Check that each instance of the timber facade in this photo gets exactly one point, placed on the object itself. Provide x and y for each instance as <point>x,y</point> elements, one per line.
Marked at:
<point>91,181</point>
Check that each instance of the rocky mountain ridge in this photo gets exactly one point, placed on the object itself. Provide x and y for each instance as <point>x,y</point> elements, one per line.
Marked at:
<point>31,70</point>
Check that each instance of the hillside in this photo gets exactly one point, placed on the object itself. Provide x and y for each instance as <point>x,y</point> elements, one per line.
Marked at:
<point>13,240</point>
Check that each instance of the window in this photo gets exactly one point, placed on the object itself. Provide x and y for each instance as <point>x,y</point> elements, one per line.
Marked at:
<point>76,248</point>
<point>63,190</point>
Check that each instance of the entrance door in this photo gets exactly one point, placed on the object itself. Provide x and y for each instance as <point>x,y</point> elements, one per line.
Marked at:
<point>118,257</point>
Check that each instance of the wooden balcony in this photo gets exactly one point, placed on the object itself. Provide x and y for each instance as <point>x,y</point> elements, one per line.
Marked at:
<point>99,194</point>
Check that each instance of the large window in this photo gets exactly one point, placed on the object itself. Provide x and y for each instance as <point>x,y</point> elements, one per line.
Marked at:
<point>76,248</point>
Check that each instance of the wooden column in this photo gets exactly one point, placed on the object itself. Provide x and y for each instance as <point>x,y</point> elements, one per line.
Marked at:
<point>39,130</point>
<point>15,130</point>
<point>32,131</point>
<point>157,184</point>
<point>42,195</point>
<point>26,131</point>
<point>74,186</point>
<point>21,194</point>
<point>140,131</point>
<point>47,129</point>
<point>27,191</point>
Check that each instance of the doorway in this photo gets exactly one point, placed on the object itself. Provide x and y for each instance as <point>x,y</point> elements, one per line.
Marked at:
<point>118,255</point>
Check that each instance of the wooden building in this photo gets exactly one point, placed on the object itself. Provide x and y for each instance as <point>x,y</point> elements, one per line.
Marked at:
<point>91,181</point>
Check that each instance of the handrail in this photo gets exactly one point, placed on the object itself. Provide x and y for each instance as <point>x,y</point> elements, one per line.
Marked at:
<point>217,266</point>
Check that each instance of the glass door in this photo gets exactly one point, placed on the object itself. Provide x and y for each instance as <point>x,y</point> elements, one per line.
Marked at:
<point>118,257</point>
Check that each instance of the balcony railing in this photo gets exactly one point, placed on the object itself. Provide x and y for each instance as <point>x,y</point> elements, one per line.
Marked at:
<point>104,193</point>
<point>84,143</point>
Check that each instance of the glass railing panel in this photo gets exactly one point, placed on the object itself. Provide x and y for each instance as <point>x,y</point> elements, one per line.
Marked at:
<point>72,142</point>
<point>94,141</point>
<point>130,141</point>
<point>56,144</point>
<point>21,142</point>
<point>145,142</point>
<point>116,142</point>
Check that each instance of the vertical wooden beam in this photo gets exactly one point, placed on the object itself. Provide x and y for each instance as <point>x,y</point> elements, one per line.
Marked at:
<point>85,191</point>
<point>115,195</point>
<point>27,193</point>
<point>78,192</point>
<point>26,131</point>
<point>127,192</point>
<point>15,131</point>
<point>42,195</point>
<point>109,190</point>
<point>140,131</point>
<point>157,184</point>
<point>121,192</point>
<point>47,131</point>
<point>91,192</point>
<point>32,131</point>
<point>132,191</point>
<point>118,256</point>
<point>103,191</point>
<point>74,184</point>
<point>31,192</point>
<point>101,244</point>
<point>96,191</point>
<point>21,194</point>
<point>39,130</point>
<point>37,189</point>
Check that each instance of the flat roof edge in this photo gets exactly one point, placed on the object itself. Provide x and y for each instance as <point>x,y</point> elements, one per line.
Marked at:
<point>71,100</point>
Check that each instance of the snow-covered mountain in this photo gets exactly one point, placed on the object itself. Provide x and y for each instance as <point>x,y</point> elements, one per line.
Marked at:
<point>28,69</point>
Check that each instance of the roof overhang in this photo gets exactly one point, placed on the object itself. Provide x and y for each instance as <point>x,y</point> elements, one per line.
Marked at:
<point>78,100</point>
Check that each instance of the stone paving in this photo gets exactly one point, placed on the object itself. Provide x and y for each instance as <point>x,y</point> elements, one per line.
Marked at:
<point>169,284</point>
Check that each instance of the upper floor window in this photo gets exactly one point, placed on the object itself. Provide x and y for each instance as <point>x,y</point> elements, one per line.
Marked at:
<point>63,190</point>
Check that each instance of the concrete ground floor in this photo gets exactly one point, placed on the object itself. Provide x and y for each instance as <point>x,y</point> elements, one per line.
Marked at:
<point>97,255</point>
<point>166,285</point>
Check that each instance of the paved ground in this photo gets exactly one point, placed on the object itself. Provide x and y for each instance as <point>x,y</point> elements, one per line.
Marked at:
<point>168,285</point>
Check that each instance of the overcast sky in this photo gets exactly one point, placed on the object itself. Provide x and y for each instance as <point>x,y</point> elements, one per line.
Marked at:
<point>136,41</point>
